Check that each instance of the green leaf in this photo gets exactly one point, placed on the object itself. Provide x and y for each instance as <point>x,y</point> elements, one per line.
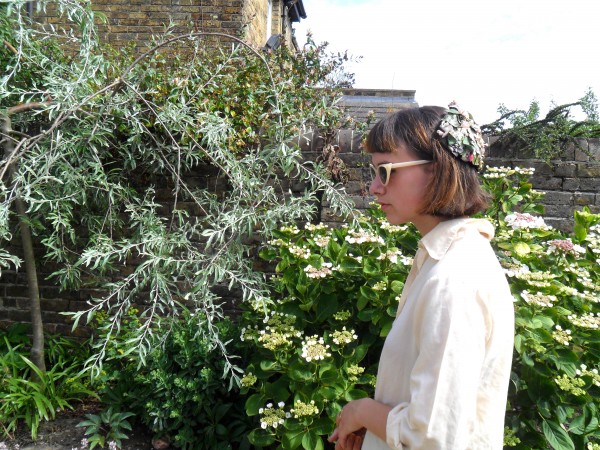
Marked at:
<point>355,394</point>
<point>397,286</point>
<point>326,307</point>
<point>349,264</point>
<point>293,439</point>
<point>254,403</point>
<point>371,267</point>
<point>556,436</point>
<point>270,366</point>
<point>260,438</point>
<point>330,376</point>
<point>298,371</point>
<point>311,441</point>
<point>386,327</point>
<point>268,254</point>
<point>522,248</point>
<point>323,426</point>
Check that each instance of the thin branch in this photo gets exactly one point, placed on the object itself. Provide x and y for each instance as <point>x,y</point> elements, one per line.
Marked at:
<point>9,46</point>
<point>27,107</point>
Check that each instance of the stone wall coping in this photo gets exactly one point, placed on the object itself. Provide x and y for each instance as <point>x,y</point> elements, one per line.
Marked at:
<point>379,93</point>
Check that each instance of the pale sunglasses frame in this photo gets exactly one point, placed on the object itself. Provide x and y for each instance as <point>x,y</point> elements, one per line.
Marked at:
<point>384,171</point>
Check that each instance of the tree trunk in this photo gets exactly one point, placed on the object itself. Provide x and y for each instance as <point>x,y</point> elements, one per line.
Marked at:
<point>37,345</point>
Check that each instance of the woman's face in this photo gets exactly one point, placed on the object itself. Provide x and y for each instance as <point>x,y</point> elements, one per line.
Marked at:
<point>402,197</point>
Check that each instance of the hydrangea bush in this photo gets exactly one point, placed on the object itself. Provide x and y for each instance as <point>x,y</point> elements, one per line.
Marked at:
<point>555,386</point>
<point>335,297</point>
<point>335,293</point>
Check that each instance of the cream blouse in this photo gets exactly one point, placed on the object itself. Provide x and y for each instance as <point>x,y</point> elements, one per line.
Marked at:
<point>445,365</point>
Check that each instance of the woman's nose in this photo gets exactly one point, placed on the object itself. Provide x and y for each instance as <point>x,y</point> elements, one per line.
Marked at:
<point>376,186</point>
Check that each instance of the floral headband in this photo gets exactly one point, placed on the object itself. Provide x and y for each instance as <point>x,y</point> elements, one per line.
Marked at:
<point>462,136</point>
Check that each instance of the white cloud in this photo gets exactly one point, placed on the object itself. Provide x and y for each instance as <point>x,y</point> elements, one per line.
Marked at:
<point>479,53</point>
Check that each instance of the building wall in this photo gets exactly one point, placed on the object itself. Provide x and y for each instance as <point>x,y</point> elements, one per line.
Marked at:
<point>255,14</point>
<point>138,20</point>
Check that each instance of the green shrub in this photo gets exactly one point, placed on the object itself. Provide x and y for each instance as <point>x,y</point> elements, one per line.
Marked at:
<point>30,395</point>
<point>181,392</point>
<point>555,279</point>
<point>334,299</point>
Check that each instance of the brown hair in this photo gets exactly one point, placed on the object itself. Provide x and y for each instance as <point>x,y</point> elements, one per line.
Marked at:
<point>455,189</point>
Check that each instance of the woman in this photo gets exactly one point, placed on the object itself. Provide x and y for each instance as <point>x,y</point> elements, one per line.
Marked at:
<point>444,369</point>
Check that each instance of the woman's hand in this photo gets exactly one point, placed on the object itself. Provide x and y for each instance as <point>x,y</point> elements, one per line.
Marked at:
<point>354,441</point>
<point>349,432</point>
<point>355,419</point>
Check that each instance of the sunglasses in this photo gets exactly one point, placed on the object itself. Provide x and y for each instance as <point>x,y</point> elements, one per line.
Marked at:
<point>383,171</point>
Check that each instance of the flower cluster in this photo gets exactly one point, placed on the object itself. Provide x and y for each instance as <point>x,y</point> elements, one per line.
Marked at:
<point>274,339</point>
<point>322,241</point>
<point>514,269</point>
<point>361,237</point>
<point>538,299</point>
<point>248,379</point>
<point>536,279</point>
<point>588,320</point>
<point>272,417</point>
<point>575,384</point>
<point>585,295</point>
<point>380,286</point>
<point>315,227</point>
<point>393,256</point>
<point>314,349</point>
<point>322,272</point>
<point>354,371</point>
<point>593,239</point>
<point>583,371</point>
<point>299,252</point>
<point>302,409</point>
<point>561,336</point>
<point>503,172</point>
<point>342,315</point>
<point>385,225</point>
<point>278,332</point>
<point>582,275</point>
<point>343,337</point>
<point>564,246</point>
<point>291,229</point>
<point>519,221</point>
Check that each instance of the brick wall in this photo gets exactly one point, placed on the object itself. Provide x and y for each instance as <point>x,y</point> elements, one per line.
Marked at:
<point>255,15</point>
<point>138,20</point>
<point>570,183</point>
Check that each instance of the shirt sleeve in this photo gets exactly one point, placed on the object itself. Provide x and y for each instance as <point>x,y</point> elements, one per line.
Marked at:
<point>450,327</point>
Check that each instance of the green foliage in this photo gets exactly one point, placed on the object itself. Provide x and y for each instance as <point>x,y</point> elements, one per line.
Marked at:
<point>180,393</point>
<point>341,282</point>
<point>151,179</point>
<point>108,426</point>
<point>551,136</point>
<point>30,395</point>
<point>555,386</point>
<point>317,346</point>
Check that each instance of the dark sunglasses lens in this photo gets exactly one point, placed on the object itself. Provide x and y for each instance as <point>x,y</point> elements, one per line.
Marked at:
<point>382,174</point>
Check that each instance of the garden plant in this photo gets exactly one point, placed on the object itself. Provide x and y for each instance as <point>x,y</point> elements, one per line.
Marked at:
<point>92,136</point>
<point>335,295</point>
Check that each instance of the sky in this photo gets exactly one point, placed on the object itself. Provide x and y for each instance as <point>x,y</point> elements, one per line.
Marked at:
<point>477,53</point>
